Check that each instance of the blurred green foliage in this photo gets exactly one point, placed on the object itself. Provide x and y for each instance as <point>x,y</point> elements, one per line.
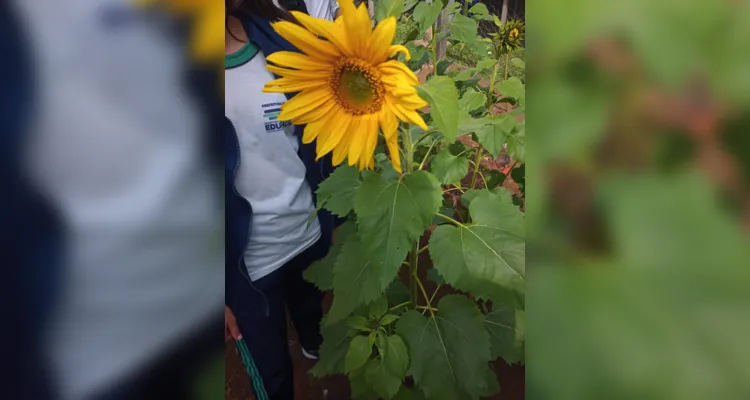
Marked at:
<point>638,150</point>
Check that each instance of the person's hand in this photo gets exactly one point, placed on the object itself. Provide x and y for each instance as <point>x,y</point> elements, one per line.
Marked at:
<point>231,330</point>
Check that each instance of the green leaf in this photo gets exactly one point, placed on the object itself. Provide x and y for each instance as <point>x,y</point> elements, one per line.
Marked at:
<point>517,144</point>
<point>506,329</point>
<point>336,193</point>
<point>357,322</point>
<point>449,168</point>
<point>379,307</point>
<point>426,14</point>
<point>472,99</point>
<point>518,63</point>
<point>320,273</point>
<point>513,88</point>
<point>355,280</point>
<point>397,293</point>
<point>490,377</point>
<point>480,12</point>
<point>493,136</point>
<point>464,75</point>
<point>386,374</point>
<point>388,319</point>
<point>487,256</point>
<point>333,350</point>
<point>450,353</point>
<point>358,354</point>
<point>441,93</point>
<point>409,4</point>
<point>487,65</point>
<point>391,216</point>
<point>388,8</point>
<point>361,388</point>
<point>434,276</point>
<point>463,28</point>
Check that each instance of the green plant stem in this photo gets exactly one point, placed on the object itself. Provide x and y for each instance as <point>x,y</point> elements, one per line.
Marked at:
<point>426,156</point>
<point>426,297</point>
<point>423,249</point>
<point>478,158</point>
<point>414,255</point>
<point>480,150</point>
<point>481,175</point>
<point>408,150</point>
<point>396,307</point>
<point>425,136</point>
<point>449,219</point>
<point>460,189</point>
<point>515,163</point>
<point>433,48</point>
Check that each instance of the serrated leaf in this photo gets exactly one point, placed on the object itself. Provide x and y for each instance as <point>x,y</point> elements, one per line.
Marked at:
<point>441,93</point>
<point>358,354</point>
<point>472,100</point>
<point>493,135</point>
<point>448,168</point>
<point>450,353</point>
<point>391,216</point>
<point>385,374</point>
<point>517,144</point>
<point>513,88</point>
<point>463,28</point>
<point>358,322</point>
<point>332,351</point>
<point>355,280</point>
<point>336,193</point>
<point>506,329</point>
<point>486,256</point>
<point>388,8</point>
<point>320,273</point>
<point>426,14</point>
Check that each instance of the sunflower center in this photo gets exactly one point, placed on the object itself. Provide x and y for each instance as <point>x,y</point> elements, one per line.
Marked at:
<point>514,33</point>
<point>357,86</point>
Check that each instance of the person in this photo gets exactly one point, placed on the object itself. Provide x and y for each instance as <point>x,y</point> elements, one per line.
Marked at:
<point>129,306</point>
<point>270,179</point>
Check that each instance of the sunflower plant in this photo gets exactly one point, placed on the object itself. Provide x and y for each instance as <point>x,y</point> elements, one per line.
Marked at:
<point>428,272</point>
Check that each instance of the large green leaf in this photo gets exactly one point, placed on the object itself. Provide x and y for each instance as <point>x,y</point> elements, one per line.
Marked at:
<point>426,14</point>
<point>506,329</point>
<point>356,280</point>
<point>513,88</point>
<point>480,12</point>
<point>333,350</point>
<point>463,28</point>
<point>488,255</point>
<point>449,168</point>
<point>391,217</point>
<point>441,93</point>
<point>472,99</point>
<point>386,374</point>
<point>388,8</point>
<point>320,273</point>
<point>449,353</point>
<point>336,193</point>
<point>493,135</point>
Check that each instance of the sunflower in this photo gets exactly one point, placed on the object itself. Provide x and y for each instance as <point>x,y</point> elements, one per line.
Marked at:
<point>349,87</point>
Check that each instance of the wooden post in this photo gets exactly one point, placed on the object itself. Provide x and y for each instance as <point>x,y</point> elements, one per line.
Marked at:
<point>504,13</point>
<point>442,24</point>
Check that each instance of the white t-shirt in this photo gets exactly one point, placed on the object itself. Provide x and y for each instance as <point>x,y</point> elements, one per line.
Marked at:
<point>120,151</point>
<point>324,9</point>
<point>271,176</point>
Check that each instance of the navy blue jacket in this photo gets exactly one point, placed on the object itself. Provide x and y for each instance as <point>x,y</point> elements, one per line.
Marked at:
<point>238,211</point>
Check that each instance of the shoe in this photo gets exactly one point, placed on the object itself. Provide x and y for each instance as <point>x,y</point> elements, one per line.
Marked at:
<point>310,354</point>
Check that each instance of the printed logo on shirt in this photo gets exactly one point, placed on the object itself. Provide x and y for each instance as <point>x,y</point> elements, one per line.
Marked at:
<point>270,112</point>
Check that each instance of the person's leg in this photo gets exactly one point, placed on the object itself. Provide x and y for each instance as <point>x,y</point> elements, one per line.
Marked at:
<point>261,317</point>
<point>303,299</point>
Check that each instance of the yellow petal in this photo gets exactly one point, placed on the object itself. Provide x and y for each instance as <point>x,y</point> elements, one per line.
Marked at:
<point>395,68</point>
<point>357,130</point>
<point>388,121</point>
<point>298,74</point>
<point>359,29</point>
<point>327,29</point>
<point>397,48</point>
<point>413,102</point>
<point>294,60</point>
<point>305,102</point>
<point>409,116</point>
<point>380,40</point>
<point>287,85</point>
<point>338,124</point>
<point>341,150</point>
<point>370,132</point>
<point>304,40</point>
<point>392,144</point>
<point>311,132</point>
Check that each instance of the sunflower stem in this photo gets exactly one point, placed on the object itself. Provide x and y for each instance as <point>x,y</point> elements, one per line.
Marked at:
<point>433,47</point>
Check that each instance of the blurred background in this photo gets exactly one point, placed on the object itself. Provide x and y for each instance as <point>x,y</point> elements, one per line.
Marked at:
<point>112,228</point>
<point>638,201</point>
